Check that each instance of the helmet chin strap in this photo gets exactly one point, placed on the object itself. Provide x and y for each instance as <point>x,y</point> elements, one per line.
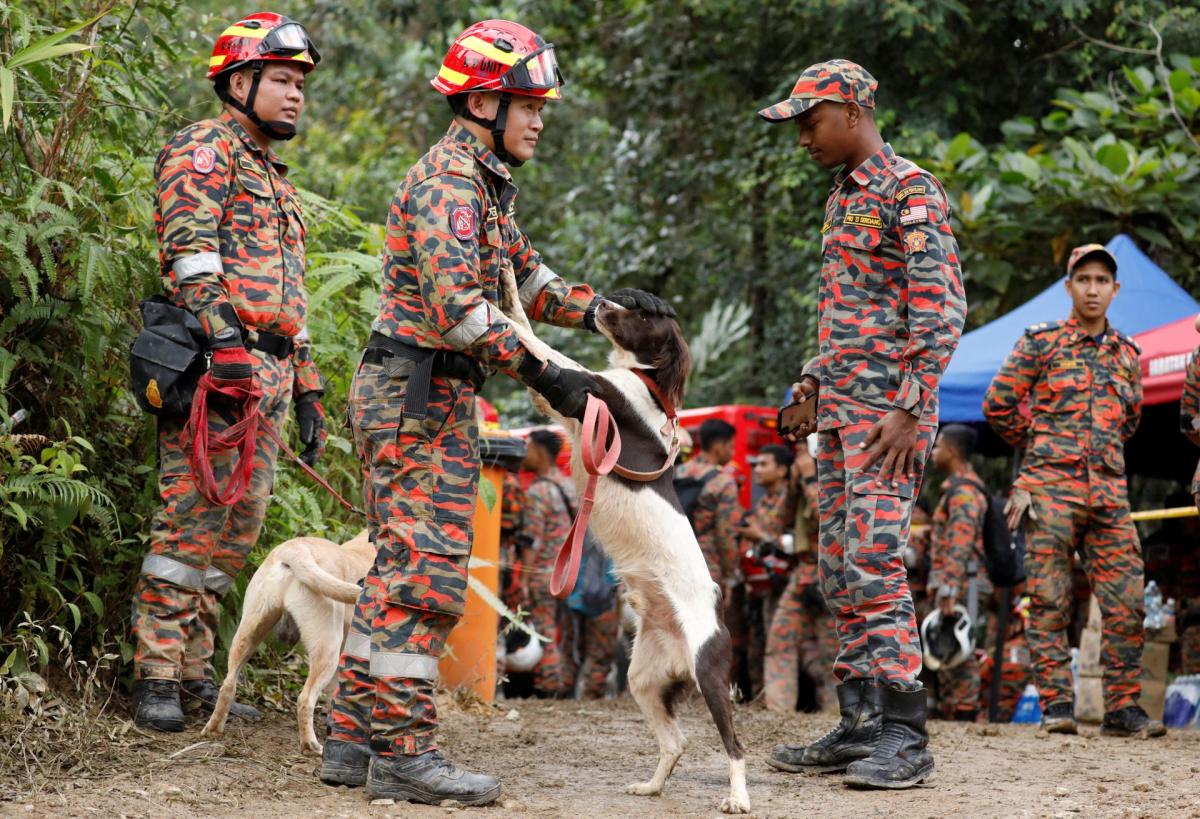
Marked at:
<point>497,126</point>
<point>276,128</point>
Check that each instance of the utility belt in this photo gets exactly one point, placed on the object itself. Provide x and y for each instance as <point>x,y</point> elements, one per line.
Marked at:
<point>170,354</point>
<point>420,365</point>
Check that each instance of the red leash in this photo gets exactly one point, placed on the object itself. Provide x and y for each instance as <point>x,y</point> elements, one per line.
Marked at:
<point>597,423</point>
<point>247,395</point>
<point>241,436</point>
<point>599,458</point>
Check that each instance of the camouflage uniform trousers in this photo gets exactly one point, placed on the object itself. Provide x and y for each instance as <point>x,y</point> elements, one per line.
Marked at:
<point>802,638</point>
<point>1108,544</point>
<point>551,676</point>
<point>420,482</point>
<point>863,534</point>
<point>196,548</point>
<point>760,612</point>
<point>589,648</point>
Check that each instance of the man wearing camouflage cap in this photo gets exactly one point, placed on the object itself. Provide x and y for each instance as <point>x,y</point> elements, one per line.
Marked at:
<point>1083,384</point>
<point>891,310</point>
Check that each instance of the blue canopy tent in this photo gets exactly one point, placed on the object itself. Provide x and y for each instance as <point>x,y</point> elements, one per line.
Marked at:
<point>1148,299</point>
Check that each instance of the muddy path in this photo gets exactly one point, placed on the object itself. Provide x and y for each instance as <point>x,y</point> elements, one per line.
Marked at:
<point>574,759</point>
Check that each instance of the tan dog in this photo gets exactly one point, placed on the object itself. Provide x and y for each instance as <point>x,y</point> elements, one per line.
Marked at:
<point>315,582</point>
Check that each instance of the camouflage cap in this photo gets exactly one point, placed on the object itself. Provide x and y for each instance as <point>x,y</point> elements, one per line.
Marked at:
<point>833,80</point>
<point>1091,252</point>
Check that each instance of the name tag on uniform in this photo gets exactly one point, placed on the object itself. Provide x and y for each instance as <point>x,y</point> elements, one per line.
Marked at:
<point>863,220</point>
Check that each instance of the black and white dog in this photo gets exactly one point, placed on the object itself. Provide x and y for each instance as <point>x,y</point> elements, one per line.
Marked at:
<point>681,639</point>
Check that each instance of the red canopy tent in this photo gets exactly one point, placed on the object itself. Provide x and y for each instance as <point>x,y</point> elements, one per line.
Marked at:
<point>1166,351</point>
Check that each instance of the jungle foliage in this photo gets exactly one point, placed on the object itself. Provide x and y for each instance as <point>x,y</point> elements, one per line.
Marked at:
<point>1050,122</point>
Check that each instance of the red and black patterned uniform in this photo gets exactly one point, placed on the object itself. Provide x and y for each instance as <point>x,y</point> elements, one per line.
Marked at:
<point>891,311</point>
<point>230,235</point>
<point>450,229</point>
<point>1084,397</point>
<point>957,539</point>
<point>1188,616</point>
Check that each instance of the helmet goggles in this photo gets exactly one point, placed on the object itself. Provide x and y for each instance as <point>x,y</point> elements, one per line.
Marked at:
<point>288,40</point>
<point>536,71</point>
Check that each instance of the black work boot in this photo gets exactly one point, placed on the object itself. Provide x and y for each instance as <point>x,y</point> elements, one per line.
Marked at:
<point>345,763</point>
<point>852,738</point>
<point>900,760</point>
<point>1059,718</point>
<point>204,693</point>
<point>1131,721</point>
<point>156,705</point>
<point>428,778</point>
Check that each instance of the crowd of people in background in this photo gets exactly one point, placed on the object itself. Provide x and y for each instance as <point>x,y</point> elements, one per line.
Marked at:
<point>765,560</point>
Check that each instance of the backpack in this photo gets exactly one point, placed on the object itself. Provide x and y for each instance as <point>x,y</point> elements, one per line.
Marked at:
<point>689,489</point>
<point>595,590</point>
<point>1003,550</point>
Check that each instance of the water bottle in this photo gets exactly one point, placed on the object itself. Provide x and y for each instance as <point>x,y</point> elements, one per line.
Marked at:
<point>1154,607</point>
<point>1182,702</point>
<point>1029,709</point>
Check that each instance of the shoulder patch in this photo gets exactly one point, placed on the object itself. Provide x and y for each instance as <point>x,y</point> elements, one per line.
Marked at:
<point>914,214</point>
<point>462,222</point>
<point>909,190</point>
<point>204,159</point>
<point>915,241</point>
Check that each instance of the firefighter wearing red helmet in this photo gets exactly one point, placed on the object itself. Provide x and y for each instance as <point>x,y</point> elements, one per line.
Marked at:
<point>450,231</point>
<point>231,250</point>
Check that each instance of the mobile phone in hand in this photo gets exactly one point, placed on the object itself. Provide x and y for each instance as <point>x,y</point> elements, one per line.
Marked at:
<point>797,414</point>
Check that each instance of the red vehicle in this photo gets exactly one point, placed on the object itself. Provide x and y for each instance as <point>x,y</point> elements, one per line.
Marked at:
<point>755,429</point>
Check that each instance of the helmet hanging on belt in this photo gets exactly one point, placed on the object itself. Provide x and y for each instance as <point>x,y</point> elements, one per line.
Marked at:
<point>503,56</point>
<point>252,42</point>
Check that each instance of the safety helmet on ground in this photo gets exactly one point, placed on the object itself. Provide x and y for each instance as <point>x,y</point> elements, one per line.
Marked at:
<point>503,56</point>
<point>947,642</point>
<point>251,42</point>
<point>522,655</point>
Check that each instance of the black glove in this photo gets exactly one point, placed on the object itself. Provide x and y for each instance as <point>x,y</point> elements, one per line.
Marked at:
<point>632,299</point>
<point>566,390</point>
<point>310,416</point>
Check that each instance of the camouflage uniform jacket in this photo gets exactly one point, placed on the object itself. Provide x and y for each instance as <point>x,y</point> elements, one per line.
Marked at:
<point>958,538</point>
<point>715,517</point>
<point>775,511</point>
<point>891,300</point>
<point>546,519</point>
<point>230,231</point>
<point>450,228</point>
<point>1085,401</point>
<point>1189,408</point>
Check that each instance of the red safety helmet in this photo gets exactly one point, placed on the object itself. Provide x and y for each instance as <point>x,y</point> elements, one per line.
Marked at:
<point>263,36</point>
<point>500,55</point>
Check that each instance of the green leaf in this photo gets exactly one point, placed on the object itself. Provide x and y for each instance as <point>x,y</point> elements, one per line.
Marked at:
<point>75,615</point>
<point>1016,129</point>
<point>1114,157</point>
<point>7,94</point>
<point>488,494</point>
<point>958,147</point>
<point>96,603</point>
<point>23,57</point>
<point>1140,78</point>
<point>42,53</point>
<point>10,662</point>
<point>1179,80</point>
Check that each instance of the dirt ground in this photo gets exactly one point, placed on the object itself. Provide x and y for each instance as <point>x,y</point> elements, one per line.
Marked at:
<point>574,759</point>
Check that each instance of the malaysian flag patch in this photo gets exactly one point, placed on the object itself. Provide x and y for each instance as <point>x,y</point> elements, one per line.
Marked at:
<point>914,214</point>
